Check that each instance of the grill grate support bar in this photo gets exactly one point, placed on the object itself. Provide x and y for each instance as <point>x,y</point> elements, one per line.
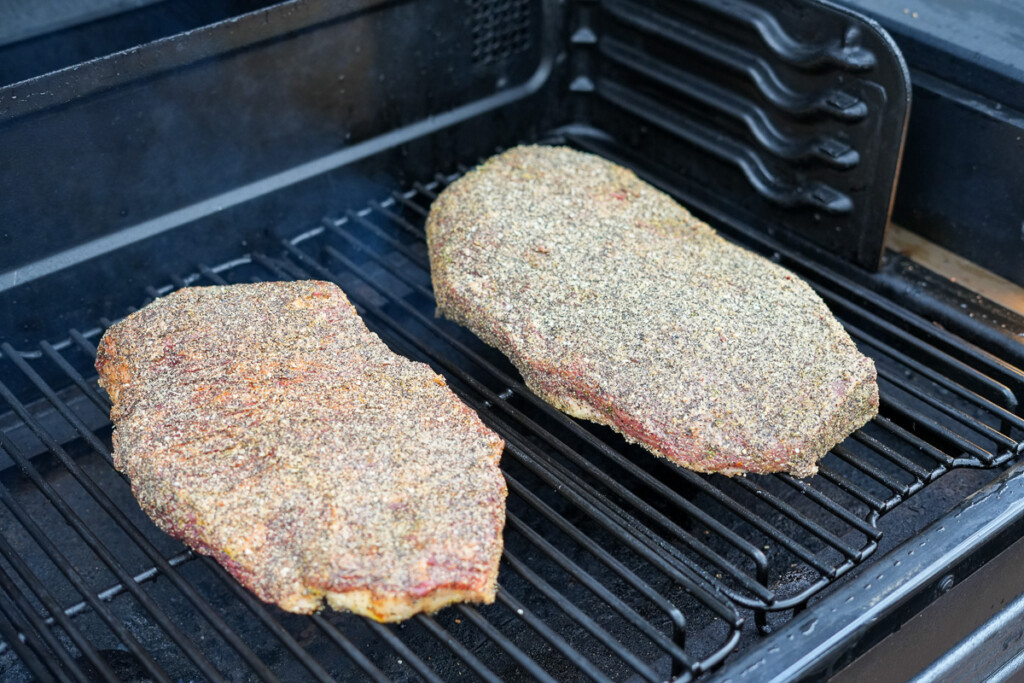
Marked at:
<point>271,624</point>
<point>676,617</point>
<point>406,654</point>
<point>77,608</point>
<point>353,653</point>
<point>580,617</point>
<point>547,633</point>
<point>457,648</point>
<point>577,573</point>
<point>528,664</point>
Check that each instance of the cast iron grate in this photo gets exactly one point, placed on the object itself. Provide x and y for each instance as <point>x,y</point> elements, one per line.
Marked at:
<point>616,564</point>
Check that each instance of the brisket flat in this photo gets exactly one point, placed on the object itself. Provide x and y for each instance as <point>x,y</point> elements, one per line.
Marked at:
<point>618,306</point>
<point>264,425</point>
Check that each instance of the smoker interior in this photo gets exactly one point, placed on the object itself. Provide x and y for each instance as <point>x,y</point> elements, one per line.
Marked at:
<point>618,565</point>
<point>40,37</point>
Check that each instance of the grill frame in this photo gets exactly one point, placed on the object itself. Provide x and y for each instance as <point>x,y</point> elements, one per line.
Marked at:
<point>393,244</point>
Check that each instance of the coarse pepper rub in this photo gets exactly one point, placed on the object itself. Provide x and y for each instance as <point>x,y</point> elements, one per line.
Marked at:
<point>620,307</point>
<point>264,425</point>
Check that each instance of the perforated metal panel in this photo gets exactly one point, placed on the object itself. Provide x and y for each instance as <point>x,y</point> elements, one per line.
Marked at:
<point>501,28</point>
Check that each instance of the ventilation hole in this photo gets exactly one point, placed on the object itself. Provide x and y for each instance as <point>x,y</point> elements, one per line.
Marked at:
<point>501,28</point>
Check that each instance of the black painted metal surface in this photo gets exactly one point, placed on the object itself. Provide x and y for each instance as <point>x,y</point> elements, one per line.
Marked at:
<point>795,115</point>
<point>993,653</point>
<point>38,37</point>
<point>198,133</point>
<point>962,172</point>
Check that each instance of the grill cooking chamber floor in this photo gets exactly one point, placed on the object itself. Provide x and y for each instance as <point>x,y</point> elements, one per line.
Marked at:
<point>617,565</point>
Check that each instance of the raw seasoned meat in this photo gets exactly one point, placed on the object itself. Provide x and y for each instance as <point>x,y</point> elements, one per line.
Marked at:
<point>618,306</point>
<point>264,425</point>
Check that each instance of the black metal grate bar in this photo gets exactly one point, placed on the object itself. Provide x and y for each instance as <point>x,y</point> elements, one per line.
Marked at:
<point>257,608</point>
<point>83,386</point>
<point>857,491</point>
<point>893,405</point>
<point>548,634</point>
<point>923,446</point>
<point>210,275</point>
<point>350,650</point>
<point>11,633</point>
<point>981,372</point>
<point>1006,417</point>
<point>630,577</point>
<point>876,473</point>
<point>807,524</point>
<point>82,342</point>
<point>528,664</point>
<point>595,586</point>
<point>59,615</point>
<point>403,199</point>
<point>114,590</point>
<point>35,629</point>
<point>833,507</point>
<point>905,464</point>
<point>457,648</point>
<point>580,617</point>
<point>968,421</point>
<point>72,575</point>
<point>385,634</point>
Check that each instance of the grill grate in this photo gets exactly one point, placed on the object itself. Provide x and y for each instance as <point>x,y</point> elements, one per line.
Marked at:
<point>616,563</point>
